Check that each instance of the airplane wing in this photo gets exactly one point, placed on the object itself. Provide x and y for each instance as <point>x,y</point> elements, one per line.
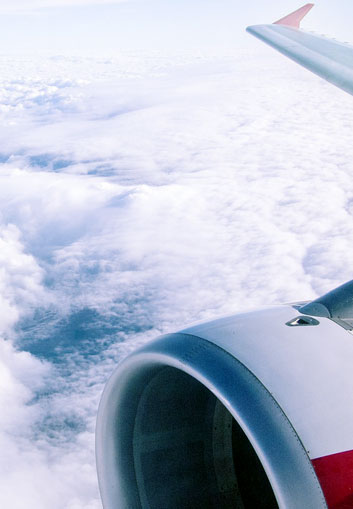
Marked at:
<point>329,59</point>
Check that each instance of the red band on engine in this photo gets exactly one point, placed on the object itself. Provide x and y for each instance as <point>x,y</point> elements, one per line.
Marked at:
<point>335,473</point>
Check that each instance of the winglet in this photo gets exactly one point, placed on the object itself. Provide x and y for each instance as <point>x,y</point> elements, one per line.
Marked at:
<point>294,19</point>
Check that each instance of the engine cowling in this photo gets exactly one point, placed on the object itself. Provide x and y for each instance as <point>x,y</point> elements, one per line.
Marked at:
<point>252,410</point>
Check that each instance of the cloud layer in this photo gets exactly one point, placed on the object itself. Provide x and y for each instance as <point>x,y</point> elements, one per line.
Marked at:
<point>139,194</point>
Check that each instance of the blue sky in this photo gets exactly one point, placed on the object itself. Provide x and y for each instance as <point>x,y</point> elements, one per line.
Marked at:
<point>80,26</point>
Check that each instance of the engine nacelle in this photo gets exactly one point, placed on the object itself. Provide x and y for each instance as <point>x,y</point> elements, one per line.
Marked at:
<point>250,411</point>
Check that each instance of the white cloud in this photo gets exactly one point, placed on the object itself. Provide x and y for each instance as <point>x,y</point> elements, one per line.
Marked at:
<point>138,194</point>
<point>20,278</point>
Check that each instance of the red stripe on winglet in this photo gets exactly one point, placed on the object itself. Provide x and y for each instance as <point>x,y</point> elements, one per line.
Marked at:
<point>335,473</point>
<point>294,19</point>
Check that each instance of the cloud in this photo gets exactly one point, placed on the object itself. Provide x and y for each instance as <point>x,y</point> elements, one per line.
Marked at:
<point>20,278</point>
<point>137,195</point>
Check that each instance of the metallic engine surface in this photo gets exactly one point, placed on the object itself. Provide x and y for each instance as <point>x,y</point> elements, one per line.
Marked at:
<point>271,434</point>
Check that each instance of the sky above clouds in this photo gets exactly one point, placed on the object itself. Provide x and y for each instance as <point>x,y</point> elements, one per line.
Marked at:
<point>34,5</point>
<point>144,189</point>
<point>97,27</point>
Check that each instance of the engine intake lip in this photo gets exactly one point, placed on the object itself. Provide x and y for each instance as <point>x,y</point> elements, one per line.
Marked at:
<point>269,431</point>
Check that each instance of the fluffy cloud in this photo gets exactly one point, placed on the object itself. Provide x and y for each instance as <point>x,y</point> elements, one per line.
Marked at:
<point>139,194</point>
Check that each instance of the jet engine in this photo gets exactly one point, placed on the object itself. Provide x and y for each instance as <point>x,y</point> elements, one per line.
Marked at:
<point>250,411</point>
<point>253,411</point>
